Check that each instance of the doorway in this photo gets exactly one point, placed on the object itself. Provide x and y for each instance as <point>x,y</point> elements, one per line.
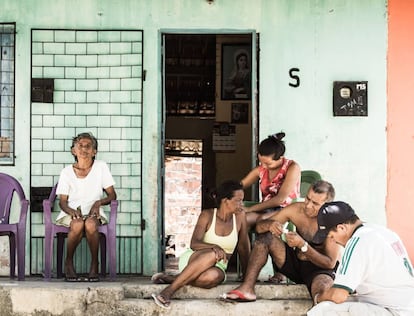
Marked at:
<point>210,124</point>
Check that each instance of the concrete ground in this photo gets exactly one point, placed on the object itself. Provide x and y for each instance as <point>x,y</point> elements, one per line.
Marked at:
<point>131,295</point>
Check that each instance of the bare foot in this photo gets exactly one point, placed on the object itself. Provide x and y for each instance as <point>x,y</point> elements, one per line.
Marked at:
<point>277,278</point>
<point>162,278</point>
<point>70,272</point>
<point>238,296</point>
<point>93,272</point>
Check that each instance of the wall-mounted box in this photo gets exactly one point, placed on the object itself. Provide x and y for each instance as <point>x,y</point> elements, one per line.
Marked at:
<point>42,90</point>
<point>350,98</point>
<point>37,195</point>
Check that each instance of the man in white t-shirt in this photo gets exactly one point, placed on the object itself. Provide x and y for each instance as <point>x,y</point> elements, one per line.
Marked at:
<point>375,276</point>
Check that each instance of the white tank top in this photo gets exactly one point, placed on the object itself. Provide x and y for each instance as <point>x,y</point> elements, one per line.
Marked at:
<point>227,243</point>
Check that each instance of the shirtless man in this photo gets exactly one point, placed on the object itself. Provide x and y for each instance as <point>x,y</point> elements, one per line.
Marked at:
<point>303,263</point>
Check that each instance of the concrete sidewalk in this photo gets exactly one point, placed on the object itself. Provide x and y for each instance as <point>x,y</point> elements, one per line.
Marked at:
<point>132,296</point>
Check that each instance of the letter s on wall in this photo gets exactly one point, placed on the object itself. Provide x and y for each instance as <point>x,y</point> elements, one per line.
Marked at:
<point>292,75</point>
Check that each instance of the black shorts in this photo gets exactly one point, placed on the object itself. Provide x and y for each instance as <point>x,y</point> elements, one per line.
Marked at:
<point>302,272</point>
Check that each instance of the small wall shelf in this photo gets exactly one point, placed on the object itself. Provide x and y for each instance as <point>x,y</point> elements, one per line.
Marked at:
<point>190,64</point>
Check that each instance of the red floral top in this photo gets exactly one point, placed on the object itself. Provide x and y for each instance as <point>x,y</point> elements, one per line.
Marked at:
<point>270,187</point>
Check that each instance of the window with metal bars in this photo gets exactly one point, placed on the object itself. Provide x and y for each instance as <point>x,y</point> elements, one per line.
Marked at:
<point>7,90</point>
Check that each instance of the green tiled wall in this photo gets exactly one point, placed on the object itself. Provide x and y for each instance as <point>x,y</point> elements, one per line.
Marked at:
<point>97,88</point>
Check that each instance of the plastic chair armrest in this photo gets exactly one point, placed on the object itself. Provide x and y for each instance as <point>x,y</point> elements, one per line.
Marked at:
<point>47,212</point>
<point>23,213</point>
<point>113,213</point>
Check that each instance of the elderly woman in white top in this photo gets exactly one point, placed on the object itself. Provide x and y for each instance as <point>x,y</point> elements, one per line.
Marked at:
<point>80,190</point>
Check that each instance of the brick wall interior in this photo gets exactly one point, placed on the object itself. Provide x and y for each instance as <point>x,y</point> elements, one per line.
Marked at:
<point>182,199</point>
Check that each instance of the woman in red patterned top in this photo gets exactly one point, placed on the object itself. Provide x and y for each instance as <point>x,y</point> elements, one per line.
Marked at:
<point>279,179</point>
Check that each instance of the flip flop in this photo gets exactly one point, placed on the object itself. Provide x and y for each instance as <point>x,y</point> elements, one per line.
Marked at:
<point>241,298</point>
<point>73,279</point>
<point>93,279</point>
<point>161,301</point>
<point>157,278</point>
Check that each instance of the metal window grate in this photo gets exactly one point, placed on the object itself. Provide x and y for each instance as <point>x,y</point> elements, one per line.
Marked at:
<point>7,92</point>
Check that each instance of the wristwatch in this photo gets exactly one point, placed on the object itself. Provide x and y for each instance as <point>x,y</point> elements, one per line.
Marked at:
<point>304,248</point>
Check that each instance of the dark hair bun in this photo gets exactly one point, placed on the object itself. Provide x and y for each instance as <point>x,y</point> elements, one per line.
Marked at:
<point>278,136</point>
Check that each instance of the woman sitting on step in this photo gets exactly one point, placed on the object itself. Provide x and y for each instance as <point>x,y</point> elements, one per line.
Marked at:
<point>217,233</point>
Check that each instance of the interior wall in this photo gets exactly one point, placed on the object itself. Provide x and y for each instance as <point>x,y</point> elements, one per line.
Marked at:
<point>218,166</point>
<point>233,165</point>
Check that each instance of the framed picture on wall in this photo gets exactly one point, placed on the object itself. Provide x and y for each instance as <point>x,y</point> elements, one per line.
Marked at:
<point>236,72</point>
<point>240,113</point>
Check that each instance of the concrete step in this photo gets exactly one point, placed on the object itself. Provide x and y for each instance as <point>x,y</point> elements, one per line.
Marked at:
<point>132,296</point>
<point>263,291</point>
<point>180,307</point>
<point>283,300</point>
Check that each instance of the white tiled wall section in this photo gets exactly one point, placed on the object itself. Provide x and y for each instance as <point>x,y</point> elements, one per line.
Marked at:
<point>97,88</point>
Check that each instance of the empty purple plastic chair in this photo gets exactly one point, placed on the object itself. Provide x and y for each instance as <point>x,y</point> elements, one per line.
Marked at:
<point>17,231</point>
<point>107,239</point>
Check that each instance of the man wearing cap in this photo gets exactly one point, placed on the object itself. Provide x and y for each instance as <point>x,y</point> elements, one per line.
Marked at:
<point>375,276</point>
<point>297,258</point>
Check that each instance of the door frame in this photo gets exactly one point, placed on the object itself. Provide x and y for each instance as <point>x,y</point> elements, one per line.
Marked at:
<point>254,113</point>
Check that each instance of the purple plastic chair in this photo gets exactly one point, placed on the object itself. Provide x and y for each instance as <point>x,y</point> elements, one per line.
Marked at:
<point>107,239</point>
<point>17,231</point>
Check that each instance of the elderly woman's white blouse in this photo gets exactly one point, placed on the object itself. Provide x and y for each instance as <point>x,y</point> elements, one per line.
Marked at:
<point>83,192</point>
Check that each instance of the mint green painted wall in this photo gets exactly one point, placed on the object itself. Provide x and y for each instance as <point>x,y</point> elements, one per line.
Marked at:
<point>326,40</point>
<point>329,41</point>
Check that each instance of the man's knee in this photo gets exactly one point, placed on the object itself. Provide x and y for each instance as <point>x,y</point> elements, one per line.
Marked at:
<point>320,283</point>
<point>322,308</point>
<point>266,238</point>
<point>348,308</point>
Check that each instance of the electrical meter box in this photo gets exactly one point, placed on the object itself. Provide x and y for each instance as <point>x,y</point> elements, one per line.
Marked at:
<point>350,98</point>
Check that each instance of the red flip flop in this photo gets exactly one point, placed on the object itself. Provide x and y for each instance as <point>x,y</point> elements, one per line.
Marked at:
<point>241,298</point>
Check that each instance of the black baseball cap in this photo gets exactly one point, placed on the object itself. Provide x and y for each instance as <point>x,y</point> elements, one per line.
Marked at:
<point>330,215</point>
